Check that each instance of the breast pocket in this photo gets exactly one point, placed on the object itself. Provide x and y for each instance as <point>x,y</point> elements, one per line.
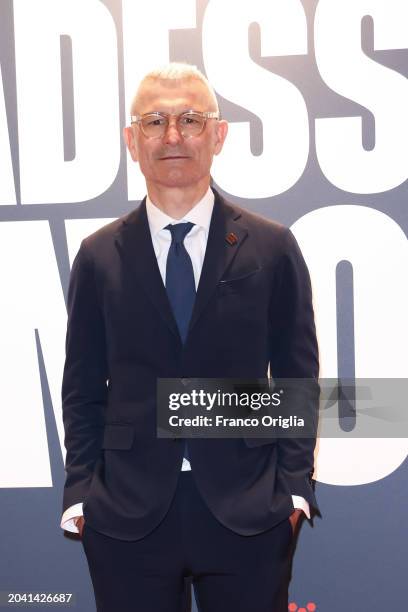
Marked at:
<point>241,283</point>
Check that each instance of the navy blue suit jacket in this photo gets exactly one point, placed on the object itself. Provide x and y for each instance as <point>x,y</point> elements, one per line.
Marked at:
<point>253,308</point>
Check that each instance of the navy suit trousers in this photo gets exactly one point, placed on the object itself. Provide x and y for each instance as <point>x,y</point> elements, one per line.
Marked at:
<point>229,572</point>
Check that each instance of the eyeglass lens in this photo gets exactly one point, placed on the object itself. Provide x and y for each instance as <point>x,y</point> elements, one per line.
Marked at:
<point>188,124</point>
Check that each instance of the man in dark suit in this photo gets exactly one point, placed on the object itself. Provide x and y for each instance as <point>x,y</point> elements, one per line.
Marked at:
<point>186,285</point>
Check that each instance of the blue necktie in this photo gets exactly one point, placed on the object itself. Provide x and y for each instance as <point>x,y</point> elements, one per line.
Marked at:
<point>180,284</point>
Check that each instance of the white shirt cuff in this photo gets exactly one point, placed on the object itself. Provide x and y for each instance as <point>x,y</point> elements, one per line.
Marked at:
<point>301,503</point>
<point>67,519</point>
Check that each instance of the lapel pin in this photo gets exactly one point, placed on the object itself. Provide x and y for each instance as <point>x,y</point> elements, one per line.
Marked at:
<point>231,238</point>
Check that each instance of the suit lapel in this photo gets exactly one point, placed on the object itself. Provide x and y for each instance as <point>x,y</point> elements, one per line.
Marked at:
<point>219,253</point>
<point>135,244</point>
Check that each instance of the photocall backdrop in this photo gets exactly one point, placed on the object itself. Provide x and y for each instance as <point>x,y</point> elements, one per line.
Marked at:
<point>316,95</point>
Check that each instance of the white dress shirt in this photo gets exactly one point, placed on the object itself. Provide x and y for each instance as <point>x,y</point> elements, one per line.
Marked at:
<point>195,243</point>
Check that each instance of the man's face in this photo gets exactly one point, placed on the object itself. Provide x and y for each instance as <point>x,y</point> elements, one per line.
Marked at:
<point>174,161</point>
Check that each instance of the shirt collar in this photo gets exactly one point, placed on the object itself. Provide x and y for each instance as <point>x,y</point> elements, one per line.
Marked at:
<point>200,214</point>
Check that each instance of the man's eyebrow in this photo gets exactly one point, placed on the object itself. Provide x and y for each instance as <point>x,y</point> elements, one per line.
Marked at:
<point>173,112</point>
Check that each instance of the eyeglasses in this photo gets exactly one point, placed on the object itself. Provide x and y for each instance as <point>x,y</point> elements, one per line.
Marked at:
<point>189,123</point>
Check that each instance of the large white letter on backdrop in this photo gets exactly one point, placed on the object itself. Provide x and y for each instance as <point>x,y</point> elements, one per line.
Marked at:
<point>348,71</point>
<point>276,101</point>
<point>146,46</point>
<point>31,299</point>
<point>377,248</point>
<point>44,175</point>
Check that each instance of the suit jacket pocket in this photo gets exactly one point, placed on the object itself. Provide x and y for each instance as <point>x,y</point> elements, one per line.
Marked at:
<point>118,436</point>
<point>237,284</point>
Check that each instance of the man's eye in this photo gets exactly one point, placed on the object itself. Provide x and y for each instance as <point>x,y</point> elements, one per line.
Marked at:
<point>155,122</point>
<point>189,120</point>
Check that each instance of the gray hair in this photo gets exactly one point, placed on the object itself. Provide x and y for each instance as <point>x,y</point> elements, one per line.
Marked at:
<point>175,71</point>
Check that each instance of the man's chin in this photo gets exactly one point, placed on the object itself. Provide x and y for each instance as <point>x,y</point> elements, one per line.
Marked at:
<point>177,178</point>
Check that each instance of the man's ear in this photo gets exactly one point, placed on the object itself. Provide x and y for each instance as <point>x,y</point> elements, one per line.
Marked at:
<point>221,134</point>
<point>129,138</point>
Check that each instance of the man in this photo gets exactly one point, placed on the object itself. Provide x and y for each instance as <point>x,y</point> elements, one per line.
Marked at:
<point>186,285</point>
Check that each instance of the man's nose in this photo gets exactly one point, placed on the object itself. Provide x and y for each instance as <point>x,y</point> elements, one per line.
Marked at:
<point>172,134</point>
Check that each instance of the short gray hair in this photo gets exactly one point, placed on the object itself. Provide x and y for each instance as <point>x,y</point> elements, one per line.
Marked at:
<point>175,71</point>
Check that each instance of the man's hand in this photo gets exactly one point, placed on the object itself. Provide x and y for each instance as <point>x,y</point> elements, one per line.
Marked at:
<point>79,522</point>
<point>294,518</point>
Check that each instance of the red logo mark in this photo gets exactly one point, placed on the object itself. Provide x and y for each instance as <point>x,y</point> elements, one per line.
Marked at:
<point>310,607</point>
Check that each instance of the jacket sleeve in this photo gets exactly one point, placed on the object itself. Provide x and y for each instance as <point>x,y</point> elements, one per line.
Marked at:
<point>84,385</point>
<point>294,355</point>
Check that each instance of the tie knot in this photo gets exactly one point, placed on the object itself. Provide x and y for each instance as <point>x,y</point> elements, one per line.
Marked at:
<point>179,231</point>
